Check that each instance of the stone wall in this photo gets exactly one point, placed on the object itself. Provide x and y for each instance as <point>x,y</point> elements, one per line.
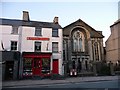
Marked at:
<point>113,43</point>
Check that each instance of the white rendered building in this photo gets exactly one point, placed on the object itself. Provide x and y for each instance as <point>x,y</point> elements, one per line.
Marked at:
<point>39,45</point>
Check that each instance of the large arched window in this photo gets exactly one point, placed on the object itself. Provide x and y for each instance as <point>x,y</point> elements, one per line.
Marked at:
<point>78,41</point>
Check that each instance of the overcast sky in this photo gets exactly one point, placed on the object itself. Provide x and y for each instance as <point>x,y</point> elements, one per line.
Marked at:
<point>99,15</point>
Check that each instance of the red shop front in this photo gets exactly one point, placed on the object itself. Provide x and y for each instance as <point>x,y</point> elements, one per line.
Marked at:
<point>36,64</point>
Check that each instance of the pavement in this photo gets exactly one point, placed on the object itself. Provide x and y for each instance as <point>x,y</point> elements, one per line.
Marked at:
<point>8,84</point>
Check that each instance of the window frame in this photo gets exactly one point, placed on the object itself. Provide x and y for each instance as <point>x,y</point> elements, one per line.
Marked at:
<point>27,66</point>
<point>14,46</point>
<point>38,29</point>
<point>55,32</point>
<point>53,48</point>
<point>78,41</point>
<point>36,46</point>
<point>45,65</point>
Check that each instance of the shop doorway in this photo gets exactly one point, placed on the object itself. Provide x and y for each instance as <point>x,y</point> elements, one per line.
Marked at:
<point>55,66</point>
<point>37,66</point>
<point>9,70</point>
<point>79,66</point>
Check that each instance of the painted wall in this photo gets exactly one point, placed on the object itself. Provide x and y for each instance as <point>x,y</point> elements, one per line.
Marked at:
<point>25,45</point>
<point>28,45</point>
<point>7,37</point>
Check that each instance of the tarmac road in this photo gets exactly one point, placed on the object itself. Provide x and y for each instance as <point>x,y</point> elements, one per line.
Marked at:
<point>85,83</point>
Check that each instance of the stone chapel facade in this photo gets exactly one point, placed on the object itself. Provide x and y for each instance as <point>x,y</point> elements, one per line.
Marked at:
<point>82,45</point>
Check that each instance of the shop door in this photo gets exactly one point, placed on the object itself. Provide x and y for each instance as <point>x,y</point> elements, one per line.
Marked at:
<point>37,66</point>
<point>55,66</point>
<point>9,70</point>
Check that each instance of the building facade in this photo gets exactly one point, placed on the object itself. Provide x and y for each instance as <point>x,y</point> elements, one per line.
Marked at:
<point>39,45</point>
<point>113,44</point>
<point>82,45</point>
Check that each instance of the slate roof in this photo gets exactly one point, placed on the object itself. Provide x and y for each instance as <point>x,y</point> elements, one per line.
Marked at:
<point>15,22</point>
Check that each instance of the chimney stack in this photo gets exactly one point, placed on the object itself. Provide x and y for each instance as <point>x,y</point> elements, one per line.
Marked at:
<point>26,16</point>
<point>55,20</point>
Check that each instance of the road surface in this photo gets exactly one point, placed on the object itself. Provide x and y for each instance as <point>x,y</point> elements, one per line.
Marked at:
<point>101,85</point>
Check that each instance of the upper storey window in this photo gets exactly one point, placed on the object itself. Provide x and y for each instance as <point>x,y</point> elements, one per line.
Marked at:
<point>14,30</point>
<point>37,46</point>
<point>38,31</point>
<point>55,32</point>
<point>55,47</point>
<point>13,45</point>
<point>78,41</point>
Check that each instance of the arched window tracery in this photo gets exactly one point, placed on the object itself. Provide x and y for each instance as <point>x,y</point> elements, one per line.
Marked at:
<point>78,41</point>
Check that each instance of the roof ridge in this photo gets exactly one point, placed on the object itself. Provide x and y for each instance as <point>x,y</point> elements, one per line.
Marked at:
<point>28,23</point>
<point>23,20</point>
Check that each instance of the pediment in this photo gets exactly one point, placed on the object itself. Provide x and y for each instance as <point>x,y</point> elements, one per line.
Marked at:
<point>93,33</point>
